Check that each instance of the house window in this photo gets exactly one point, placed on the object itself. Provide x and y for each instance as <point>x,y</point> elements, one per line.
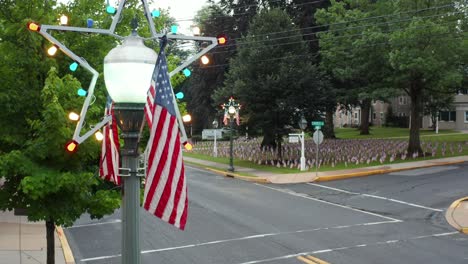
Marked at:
<point>355,115</point>
<point>374,115</point>
<point>381,115</point>
<point>403,100</point>
<point>448,116</point>
<point>466,116</point>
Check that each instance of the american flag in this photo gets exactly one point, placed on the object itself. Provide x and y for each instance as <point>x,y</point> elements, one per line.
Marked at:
<point>166,187</point>
<point>109,163</point>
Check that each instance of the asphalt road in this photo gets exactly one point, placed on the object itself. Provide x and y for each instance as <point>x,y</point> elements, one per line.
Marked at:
<point>391,218</point>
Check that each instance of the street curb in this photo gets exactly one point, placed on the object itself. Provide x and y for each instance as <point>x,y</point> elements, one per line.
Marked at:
<point>379,171</point>
<point>449,216</point>
<point>240,177</point>
<point>67,253</point>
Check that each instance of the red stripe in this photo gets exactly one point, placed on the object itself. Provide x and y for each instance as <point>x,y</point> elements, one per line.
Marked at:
<point>183,218</point>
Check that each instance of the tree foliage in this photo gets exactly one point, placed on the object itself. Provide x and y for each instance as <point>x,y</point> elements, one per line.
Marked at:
<point>378,47</point>
<point>272,77</point>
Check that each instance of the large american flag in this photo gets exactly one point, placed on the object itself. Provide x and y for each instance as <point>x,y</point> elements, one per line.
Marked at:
<point>166,187</point>
<point>109,163</point>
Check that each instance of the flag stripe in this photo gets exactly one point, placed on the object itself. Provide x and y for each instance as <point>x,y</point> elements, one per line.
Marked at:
<point>109,162</point>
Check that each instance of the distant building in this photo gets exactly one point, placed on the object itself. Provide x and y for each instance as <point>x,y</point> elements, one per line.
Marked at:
<point>456,118</point>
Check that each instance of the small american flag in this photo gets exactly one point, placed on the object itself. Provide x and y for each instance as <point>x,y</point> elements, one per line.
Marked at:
<point>109,163</point>
<point>166,187</point>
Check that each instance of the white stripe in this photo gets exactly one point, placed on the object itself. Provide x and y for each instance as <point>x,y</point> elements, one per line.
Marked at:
<point>162,180</point>
<point>377,197</point>
<point>115,221</point>
<point>104,155</point>
<point>114,157</point>
<point>243,238</point>
<point>345,248</point>
<point>175,179</point>
<point>322,201</point>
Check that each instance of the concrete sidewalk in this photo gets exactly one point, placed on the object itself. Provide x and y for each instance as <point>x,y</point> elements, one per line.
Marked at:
<point>24,242</point>
<point>310,176</point>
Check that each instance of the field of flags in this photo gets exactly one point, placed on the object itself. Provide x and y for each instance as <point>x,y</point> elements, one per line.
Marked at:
<point>332,152</point>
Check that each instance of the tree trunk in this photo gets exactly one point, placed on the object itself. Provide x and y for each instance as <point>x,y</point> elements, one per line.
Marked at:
<point>268,139</point>
<point>414,145</point>
<point>365,110</point>
<point>50,229</point>
<point>279,150</point>
<point>329,129</point>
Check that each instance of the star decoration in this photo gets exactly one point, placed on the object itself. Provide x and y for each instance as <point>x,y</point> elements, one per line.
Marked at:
<point>44,31</point>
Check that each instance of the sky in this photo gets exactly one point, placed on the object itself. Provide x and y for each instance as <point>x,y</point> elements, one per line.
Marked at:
<point>179,9</point>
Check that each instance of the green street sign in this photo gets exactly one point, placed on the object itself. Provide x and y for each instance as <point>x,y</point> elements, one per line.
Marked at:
<point>317,127</point>
<point>317,123</point>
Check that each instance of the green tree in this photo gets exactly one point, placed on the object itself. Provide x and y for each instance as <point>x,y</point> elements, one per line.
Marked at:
<point>272,77</point>
<point>52,185</point>
<point>425,54</point>
<point>351,51</point>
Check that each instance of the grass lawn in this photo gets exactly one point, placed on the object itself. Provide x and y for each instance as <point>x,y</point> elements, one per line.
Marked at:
<point>391,132</point>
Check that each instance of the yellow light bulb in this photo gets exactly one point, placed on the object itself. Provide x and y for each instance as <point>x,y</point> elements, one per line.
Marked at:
<point>188,146</point>
<point>196,31</point>
<point>74,116</point>
<point>52,50</point>
<point>71,146</point>
<point>205,60</point>
<point>99,136</point>
<point>63,20</point>
<point>186,118</point>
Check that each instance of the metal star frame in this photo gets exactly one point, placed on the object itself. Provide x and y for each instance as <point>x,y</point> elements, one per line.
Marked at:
<point>77,137</point>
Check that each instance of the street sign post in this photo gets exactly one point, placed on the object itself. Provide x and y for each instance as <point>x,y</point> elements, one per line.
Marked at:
<point>318,139</point>
<point>318,123</point>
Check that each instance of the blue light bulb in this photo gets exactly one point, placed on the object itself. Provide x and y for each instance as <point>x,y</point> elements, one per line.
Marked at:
<point>179,95</point>
<point>187,72</point>
<point>73,66</point>
<point>156,13</point>
<point>89,23</point>
<point>111,10</point>
<point>174,29</point>
<point>82,92</point>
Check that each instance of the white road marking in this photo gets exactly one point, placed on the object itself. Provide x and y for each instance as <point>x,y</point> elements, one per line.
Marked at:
<point>95,224</point>
<point>242,238</point>
<point>335,204</point>
<point>345,248</point>
<point>377,197</point>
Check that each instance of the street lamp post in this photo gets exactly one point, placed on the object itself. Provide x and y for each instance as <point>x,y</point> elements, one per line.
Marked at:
<point>129,65</point>
<point>215,148</point>
<point>302,126</point>
<point>231,109</point>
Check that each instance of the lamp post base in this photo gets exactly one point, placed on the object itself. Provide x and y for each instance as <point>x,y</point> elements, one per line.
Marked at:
<point>303,164</point>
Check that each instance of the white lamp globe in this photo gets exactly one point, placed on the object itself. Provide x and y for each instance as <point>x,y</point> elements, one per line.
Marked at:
<point>232,110</point>
<point>128,69</point>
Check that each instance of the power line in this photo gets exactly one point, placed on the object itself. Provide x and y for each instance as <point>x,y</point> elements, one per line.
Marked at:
<point>318,53</point>
<point>351,21</point>
<point>245,13</point>
<point>324,31</point>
